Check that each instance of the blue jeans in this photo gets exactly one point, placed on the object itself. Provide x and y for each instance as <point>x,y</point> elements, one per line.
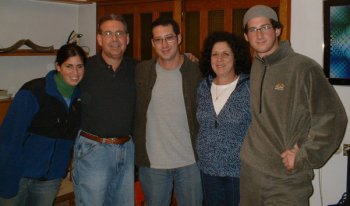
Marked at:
<point>34,193</point>
<point>220,190</point>
<point>157,185</point>
<point>103,174</point>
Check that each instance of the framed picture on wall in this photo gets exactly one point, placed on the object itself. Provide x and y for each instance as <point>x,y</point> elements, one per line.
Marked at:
<point>337,41</point>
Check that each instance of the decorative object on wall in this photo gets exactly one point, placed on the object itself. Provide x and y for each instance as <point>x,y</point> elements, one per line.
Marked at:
<point>28,43</point>
<point>74,38</point>
<point>336,41</point>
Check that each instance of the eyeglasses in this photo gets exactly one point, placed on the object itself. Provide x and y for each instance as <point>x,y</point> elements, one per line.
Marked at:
<point>169,39</point>
<point>110,34</point>
<point>263,29</point>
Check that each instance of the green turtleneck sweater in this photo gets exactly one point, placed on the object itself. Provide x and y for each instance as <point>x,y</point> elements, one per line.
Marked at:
<point>65,89</point>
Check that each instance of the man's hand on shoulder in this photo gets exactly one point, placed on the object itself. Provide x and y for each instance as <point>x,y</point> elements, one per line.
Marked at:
<point>192,57</point>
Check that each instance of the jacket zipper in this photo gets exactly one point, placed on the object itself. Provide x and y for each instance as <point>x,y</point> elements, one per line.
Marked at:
<point>261,88</point>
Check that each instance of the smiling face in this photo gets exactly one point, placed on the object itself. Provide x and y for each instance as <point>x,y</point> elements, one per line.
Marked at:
<point>113,46</point>
<point>72,70</point>
<point>222,60</point>
<point>263,41</point>
<point>165,42</point>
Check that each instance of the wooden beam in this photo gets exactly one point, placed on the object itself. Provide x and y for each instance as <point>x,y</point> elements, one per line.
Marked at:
<point>203,16</point>
<point>284,17</point>
<point>228,20</point>
<point>179,17</point>
<point>136,37</point>
<point>177,12</point>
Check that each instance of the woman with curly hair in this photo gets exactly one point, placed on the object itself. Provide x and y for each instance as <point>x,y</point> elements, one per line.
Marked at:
<point>224,116</point>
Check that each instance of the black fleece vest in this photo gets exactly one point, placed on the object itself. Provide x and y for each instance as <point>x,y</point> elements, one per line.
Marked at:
<point>53,120</point>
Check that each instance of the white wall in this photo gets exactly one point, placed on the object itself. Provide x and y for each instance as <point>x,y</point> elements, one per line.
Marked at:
<point>45,24</point>
<point>307,38</point>
<point>87,27</point>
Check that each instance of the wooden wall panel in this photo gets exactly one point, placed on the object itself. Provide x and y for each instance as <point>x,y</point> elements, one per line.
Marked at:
<point>180,7</point>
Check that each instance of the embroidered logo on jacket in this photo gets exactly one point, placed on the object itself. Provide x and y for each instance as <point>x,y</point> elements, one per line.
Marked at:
<point>279,87</point>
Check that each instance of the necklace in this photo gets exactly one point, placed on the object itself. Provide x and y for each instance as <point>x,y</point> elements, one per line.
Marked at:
<point>220,90</point>
<point>219,93</point>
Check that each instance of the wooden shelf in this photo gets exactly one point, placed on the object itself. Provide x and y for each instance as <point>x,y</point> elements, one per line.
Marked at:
<point>29,52</point>
<point>70,1</point>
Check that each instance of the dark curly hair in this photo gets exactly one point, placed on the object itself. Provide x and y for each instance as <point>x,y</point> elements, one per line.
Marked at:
<point>239,47</point>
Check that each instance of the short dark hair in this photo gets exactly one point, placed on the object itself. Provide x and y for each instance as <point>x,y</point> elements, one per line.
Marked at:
<point>113,17</point>
<point>239,47</point>
<point>165,21</point>
<point>70,50</point>
<point>275,25</point>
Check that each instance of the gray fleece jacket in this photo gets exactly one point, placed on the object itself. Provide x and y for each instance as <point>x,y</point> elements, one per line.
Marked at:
<point>292,103</point>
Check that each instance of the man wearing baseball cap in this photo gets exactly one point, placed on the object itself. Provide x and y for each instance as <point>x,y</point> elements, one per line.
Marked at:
<point>298,120</point>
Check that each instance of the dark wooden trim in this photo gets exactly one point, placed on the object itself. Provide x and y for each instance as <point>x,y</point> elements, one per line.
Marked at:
<point>28,52</point>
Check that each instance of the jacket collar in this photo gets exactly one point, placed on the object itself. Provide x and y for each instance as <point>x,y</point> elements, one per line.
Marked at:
<point>281,52</point>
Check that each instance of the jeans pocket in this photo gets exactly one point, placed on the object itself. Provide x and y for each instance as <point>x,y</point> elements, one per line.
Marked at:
<point>84,147</point>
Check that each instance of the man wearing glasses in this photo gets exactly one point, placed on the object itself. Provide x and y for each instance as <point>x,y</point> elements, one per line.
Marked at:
<point>298,120</point>
<point>165,121</point>
<point>104,151</point>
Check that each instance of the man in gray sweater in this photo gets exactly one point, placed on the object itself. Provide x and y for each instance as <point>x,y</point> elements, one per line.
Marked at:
<point>165,121</point>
